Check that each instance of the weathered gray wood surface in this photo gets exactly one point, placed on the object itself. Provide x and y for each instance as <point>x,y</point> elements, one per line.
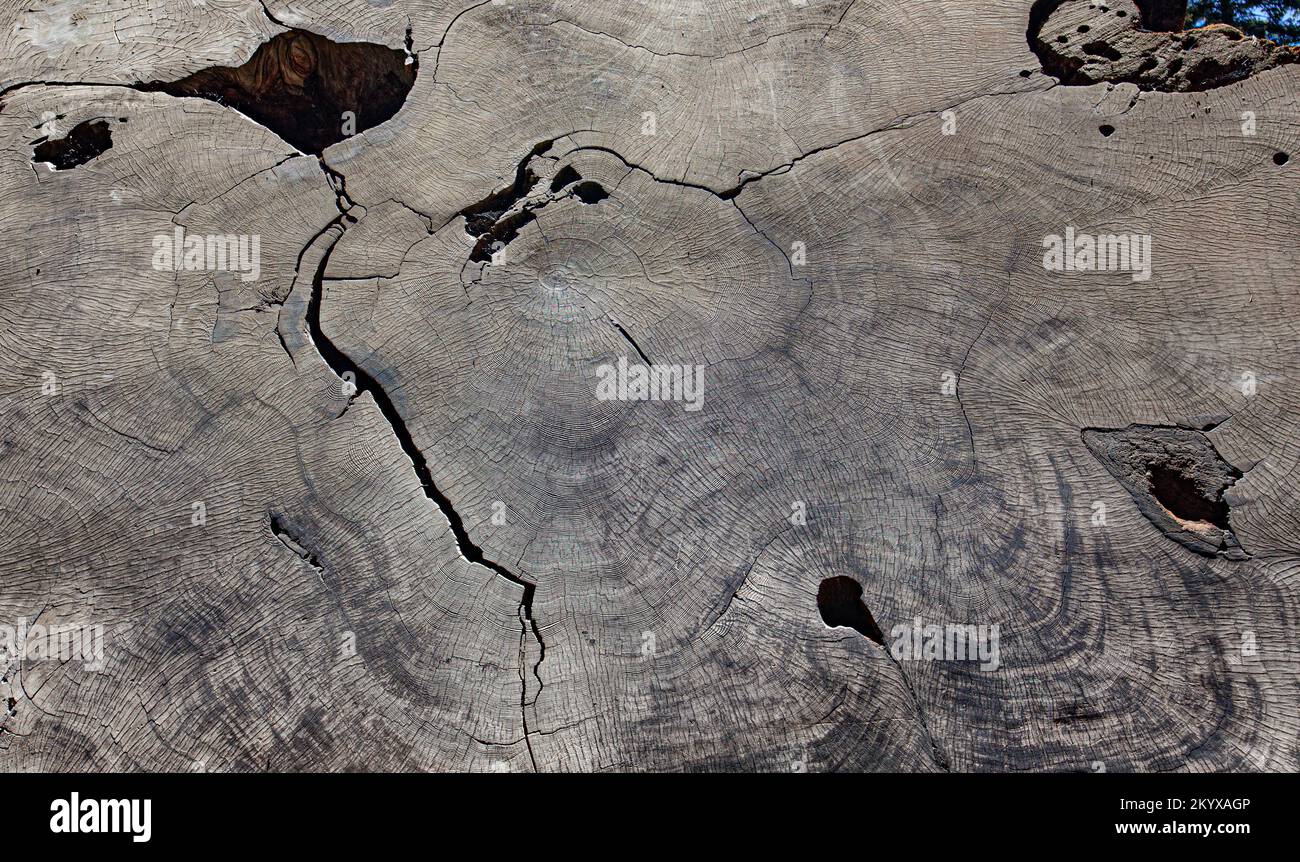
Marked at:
<point>628,585</point>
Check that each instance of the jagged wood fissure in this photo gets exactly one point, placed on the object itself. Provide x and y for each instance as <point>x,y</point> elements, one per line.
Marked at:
<point>342,366</point>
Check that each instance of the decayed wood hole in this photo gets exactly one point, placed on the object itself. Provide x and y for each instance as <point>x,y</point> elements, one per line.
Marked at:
<point>659,386</point>
<point>1178,480</point>
<point>299,84</point>
<point>840,601</point>
<point>86,140</point>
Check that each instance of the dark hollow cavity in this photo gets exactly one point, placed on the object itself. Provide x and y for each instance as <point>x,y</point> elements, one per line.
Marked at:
<point>1106,131</point>
<point>563,177</point>
<point>1280,159</point>
<point>501,234</point>
<point>839,600</point>
<point>1102,49</point>
<point>590,192</point>
<point>300,84</point>
<point>86,141</point>
<point>1178,493</point>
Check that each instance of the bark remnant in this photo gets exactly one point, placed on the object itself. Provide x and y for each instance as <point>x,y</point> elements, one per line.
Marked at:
<point>1084,43</point>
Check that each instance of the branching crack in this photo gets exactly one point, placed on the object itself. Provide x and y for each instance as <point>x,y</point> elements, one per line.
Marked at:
<point>939,755</point>
<point>343,365</point>
<point>749,176</point>
<point>497,219</point>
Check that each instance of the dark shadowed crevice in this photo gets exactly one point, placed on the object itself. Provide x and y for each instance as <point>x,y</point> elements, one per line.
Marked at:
<point>290,539</point>
<point>627,336</point>
<point>563,177</point>
<point>839,600</point>
<point>496,220</point>
<point>86,141</point>
<point>481,216</point>
<point>342,365</point>
<point>500,234</point>
<point>308,89</point>
<point>487,219</point>
<point>1101,49</point>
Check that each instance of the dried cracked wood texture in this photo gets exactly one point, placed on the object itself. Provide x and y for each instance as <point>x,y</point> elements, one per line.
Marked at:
<point>361,505</point>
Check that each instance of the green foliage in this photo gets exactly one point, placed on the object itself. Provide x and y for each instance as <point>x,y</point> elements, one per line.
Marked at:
<point>1278,20</point>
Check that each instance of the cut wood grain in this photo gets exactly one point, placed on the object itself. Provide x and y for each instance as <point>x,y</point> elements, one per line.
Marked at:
<point>358,500</point>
